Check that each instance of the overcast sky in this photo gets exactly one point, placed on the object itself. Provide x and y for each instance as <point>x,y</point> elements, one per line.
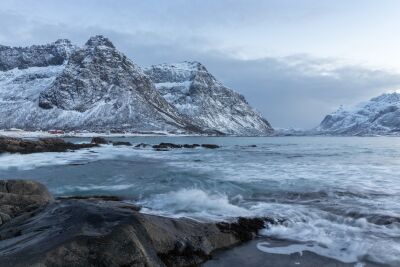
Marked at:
<point>294,60</point>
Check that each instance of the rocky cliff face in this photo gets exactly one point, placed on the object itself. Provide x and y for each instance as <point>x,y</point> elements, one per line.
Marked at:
<point>380,115</point>
<point>97,88</point>
<point>196,93</point>
<point>35,56</point>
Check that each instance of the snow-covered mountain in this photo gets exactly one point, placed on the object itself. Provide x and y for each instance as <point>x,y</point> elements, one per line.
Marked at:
<point>380,115</point>
<point>196,93</point>
<point>97,88</point>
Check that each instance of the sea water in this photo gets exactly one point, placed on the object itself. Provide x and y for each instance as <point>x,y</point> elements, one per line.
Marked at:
<point>338,197</point>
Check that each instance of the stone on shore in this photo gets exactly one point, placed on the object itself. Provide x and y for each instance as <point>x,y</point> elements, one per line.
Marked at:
<point>99,141</point>
<point>21,196</point>
<point>19,145</point>
<point>103,231</point>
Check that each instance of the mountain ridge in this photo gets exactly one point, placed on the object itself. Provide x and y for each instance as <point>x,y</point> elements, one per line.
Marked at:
<point>195,92</point>
<point>96,87</point>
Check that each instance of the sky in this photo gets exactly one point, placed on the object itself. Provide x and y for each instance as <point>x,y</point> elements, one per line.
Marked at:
<point>294,60</point>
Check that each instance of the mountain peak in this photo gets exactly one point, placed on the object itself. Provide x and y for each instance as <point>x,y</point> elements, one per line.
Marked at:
<point>99,40</point>
<point>197,94</point>
<point>63,42</point>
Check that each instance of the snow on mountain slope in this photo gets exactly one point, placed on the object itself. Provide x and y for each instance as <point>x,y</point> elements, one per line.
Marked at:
<point>109,91</point>
<point>97,88</point>
<point>380,115</point>
<point>211,105</point>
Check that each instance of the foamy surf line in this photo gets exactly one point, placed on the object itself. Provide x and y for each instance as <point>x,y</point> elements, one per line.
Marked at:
<point>341,238</point>
<point>35,160</point>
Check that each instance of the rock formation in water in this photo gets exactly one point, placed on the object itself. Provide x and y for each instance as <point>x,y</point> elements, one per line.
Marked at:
<point>36,230</point>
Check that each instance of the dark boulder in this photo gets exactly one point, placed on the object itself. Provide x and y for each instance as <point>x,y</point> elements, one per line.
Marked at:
<point>21,196</point>
<point>191,145</point>
<point>99,141</point>
<point>143,145</point>
<point>19,145</point>
<point>120,143</point>
<point>167,145</point>
<point>104,231</point>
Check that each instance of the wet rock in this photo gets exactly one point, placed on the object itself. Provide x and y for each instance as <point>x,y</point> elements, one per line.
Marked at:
<point>20,196</point>
<point>19,145</point>
<point>191,146</point>
<point>120,143</point>
<point>142,145</point>
<point>211,146</point>
<point>99,141</point>
<point>167,145</point>
<point>74,232</point>
<point>103,231</point>
<point>244,229</point>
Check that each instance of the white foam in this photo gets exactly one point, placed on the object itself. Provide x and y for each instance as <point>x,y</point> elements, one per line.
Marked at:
<point>343,256</point>
<point>344,239</point>
<point>36,160</point>
<point>69,189</point>
<point>193,203</point>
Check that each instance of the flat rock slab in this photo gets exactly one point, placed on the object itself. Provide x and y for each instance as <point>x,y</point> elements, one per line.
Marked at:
<point>97,232</point>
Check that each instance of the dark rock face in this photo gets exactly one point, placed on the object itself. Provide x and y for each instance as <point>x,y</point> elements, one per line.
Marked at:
<point>21,196</point>
<point>197,94</point>
<point>35,56</point>
<point>103,231</point>
<point>18,145</point>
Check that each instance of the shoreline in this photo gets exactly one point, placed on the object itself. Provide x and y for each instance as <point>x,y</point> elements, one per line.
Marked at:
<point>17,133</point>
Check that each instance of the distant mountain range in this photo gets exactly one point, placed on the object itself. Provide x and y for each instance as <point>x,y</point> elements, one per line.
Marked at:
<point>378,116</point>
<point>97,88</point>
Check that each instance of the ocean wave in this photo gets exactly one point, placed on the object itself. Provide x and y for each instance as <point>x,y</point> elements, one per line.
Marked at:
<point>342,238</point>
<point>65,190</point>
<point>37,160</point>
<point>193,203</point>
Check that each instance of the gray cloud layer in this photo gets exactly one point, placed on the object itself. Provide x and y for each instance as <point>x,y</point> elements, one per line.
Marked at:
<point>292,91</point>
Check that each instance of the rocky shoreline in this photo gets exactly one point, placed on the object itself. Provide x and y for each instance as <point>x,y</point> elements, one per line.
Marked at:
<point>39,230</point>
<point>25,146</point>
